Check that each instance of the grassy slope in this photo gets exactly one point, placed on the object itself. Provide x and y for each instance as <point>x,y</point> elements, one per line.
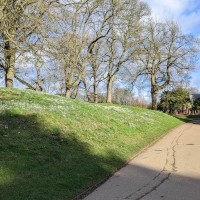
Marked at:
<point>53,148</point>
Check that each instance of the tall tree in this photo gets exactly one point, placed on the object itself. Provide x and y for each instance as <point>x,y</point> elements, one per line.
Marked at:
<point>19,21</point>
<point>166,55</point>
<point>95,73</point>
<point>72,46</point>
<point>125,25</point>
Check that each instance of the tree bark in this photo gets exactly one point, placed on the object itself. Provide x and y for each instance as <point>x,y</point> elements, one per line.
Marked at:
<point>95,93</point>
<point>109,89</point>
<point>9,77</point>
<point>9,64</point>
<point>87,91</point>
<point>95,88</point>
<point>154,90</point>
<point>38,82</point>
<point>154,95</point>
<point>68,93</point>
<point>77,90</point>
<point>67,82</point>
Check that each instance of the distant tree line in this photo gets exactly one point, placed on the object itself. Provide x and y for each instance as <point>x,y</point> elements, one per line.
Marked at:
<point>64,47</point>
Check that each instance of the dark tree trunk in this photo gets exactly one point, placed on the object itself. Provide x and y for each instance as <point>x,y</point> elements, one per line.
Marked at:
<point>68,92</point>
<point>95,90</point>
<point>9,64</point>
<point>67,82</point>
<point>154,95</point>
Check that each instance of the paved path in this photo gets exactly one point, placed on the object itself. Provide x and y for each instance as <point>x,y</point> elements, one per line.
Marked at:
<point>168,170</point>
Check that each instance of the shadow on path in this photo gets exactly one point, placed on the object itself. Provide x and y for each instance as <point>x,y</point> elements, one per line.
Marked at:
<point>141,183</point>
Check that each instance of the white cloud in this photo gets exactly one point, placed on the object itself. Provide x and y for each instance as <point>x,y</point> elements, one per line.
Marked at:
<point>185,12</point>
<point>162,8</point>
<point>190,23</point>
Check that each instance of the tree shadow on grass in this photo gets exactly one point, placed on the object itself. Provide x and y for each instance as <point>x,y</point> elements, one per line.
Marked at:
<point>37,162</point>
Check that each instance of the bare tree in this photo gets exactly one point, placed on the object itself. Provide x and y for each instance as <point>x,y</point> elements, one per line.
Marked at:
<point>98,71</point>
<point>31,70</point>
<point>123,96</point>
<point>20,26</point>
<point>95,73</point>
<point>125,26</point>
<point>166,55</point>
<point>84,25</point>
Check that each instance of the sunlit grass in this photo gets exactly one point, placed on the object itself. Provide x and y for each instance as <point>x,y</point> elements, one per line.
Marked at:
<point>53,148</point>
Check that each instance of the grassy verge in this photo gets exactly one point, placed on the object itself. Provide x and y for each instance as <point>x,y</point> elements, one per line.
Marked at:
<point>53,148</point>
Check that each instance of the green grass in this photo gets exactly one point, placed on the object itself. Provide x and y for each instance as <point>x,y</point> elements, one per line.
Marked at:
<point>53,148</point>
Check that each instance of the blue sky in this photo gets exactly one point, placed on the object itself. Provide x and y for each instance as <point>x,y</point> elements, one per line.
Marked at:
<point>187,14</point>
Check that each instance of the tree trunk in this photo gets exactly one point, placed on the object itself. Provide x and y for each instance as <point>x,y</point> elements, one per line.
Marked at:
<point>109,89</point>
<point>87,91</point>
<point>95,94</point>
<point>68,93</point>
<point>67,82</point>
<point>154,95</point>
<point>77,90</point>
<point>38,82</point>
<point>154,90</point>
<point>69,86</point>
<point>9,77</point>
<point>95,90</point>
<point>9,64</point>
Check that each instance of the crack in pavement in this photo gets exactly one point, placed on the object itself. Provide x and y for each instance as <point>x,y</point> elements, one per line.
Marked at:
<point>155,187</point>
<point>164,179</point>
<point>154,178</point>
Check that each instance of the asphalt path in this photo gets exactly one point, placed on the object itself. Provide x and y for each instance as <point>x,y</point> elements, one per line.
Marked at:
<point>168,170</point>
